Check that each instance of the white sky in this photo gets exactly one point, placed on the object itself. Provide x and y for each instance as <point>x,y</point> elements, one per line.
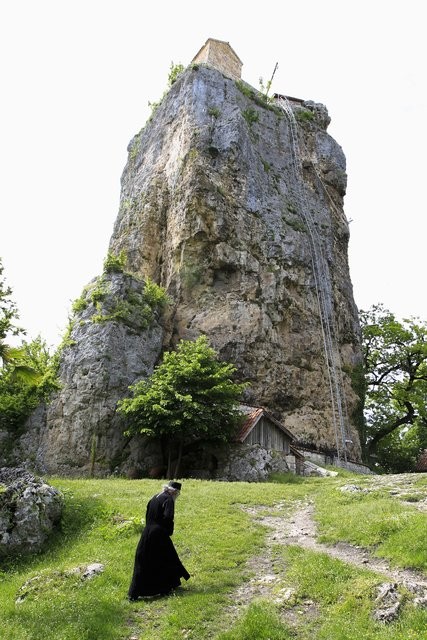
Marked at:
<point>76,79</point>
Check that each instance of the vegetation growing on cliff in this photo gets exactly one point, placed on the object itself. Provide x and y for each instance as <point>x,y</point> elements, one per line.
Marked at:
<point>133,307</point>
<point>250,115</point>
<point>258,97</point>
<point>175,70</point>
<point>115,263</point>
<point>304,115</point>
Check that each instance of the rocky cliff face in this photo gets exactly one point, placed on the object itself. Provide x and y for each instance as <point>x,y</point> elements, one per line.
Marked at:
<point>115,339</point>
<point>211,209</point>
<point>225,203</point>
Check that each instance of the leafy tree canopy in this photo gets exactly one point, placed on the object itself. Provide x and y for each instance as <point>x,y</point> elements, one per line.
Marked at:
<point>395,358</point>
<point>25,382</point>
<point>190,395</point>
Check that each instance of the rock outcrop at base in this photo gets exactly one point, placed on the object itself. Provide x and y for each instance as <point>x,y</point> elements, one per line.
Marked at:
<point>115,339</point>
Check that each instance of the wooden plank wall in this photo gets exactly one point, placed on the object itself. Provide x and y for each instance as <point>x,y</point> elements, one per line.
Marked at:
<point>268,436</point>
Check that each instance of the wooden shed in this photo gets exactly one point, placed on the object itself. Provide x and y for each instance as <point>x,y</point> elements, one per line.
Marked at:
<point>221,55</point>
<point>260,427</point>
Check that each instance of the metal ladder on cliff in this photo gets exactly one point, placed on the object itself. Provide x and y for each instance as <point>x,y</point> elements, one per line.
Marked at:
<point>324,296</point>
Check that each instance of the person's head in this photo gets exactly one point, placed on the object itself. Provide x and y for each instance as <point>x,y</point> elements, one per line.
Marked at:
<point>172,488</point>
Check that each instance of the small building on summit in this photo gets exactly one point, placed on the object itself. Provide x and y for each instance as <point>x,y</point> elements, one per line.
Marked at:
<point>221,56</point>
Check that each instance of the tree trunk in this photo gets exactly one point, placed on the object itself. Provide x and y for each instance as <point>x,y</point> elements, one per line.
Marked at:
<point>168,472</point>
<point>178,462</point>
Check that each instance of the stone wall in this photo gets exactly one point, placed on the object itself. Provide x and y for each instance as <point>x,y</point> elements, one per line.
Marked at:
<point>327,459</point>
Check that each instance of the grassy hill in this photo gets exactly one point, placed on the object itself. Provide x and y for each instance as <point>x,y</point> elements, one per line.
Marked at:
<point>291,559</point>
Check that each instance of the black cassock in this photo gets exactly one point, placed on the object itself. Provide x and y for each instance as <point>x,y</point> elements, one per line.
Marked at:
<point>157,568</point>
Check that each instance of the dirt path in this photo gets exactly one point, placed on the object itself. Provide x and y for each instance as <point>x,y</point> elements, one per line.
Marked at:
<point>300,529</point>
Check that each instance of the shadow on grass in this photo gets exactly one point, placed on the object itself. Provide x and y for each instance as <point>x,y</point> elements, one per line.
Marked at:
<point>179,592</point>
<point>76,517</point>
<point>73,619</point>
<point>286,478</point>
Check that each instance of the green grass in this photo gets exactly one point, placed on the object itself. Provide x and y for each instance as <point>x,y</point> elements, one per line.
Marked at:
<point>287,478</point>
<point>378,520</point>
<point>411,497</point>
<point>421,481</point>
<point>260,621</point>
<point>345,598</point>
<point>215,538</point>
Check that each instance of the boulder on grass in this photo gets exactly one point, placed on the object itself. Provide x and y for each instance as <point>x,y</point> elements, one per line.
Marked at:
<point>29,511</point>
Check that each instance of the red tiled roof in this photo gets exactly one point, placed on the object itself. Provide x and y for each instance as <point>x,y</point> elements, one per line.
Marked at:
<point>249,423</point>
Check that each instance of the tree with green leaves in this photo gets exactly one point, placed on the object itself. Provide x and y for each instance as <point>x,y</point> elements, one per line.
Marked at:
<point>25,383</point>
<point>8,318</point>
<point>26,373</point>
<point>191,395</point>
<point>395,359</point>
<point>13,358</point>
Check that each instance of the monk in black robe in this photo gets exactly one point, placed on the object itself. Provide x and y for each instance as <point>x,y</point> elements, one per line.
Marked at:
<point>158,569</point>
